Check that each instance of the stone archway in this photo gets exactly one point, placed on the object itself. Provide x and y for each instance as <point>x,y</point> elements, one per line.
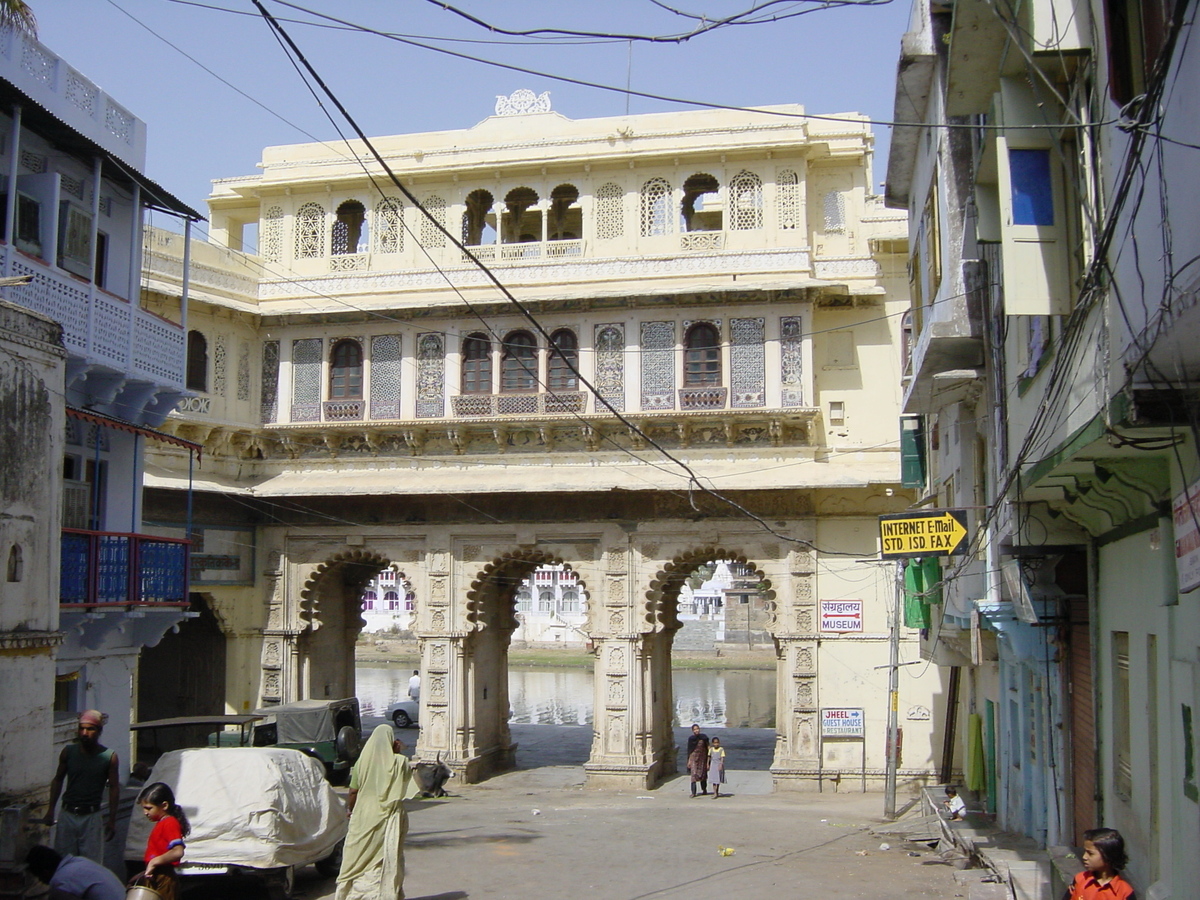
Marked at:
<point>661,619</point>
<point>465,670</point>
<point>184,674</point>
<point>331,619</point>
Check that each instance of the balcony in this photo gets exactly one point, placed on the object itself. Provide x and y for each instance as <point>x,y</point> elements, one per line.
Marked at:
<point>100,327</point>
<point>478,405</point>
<point>100,568</point>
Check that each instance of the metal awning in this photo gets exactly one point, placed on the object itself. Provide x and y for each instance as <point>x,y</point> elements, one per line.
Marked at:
<point>104,421</point>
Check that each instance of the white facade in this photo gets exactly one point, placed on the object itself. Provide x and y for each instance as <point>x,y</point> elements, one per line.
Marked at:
<point>727,291</point>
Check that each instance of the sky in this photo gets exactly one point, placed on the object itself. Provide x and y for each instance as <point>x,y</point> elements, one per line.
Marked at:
<point>204,125</point>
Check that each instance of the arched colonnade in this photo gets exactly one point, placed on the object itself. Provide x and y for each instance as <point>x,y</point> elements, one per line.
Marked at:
<point>465,615</point>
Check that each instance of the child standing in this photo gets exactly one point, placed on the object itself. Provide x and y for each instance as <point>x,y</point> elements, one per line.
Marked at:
<point>716,767</point>
<point>1103,859</point>
<point>164,847</point>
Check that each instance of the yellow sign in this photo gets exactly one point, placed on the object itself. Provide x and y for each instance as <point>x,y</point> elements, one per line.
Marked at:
<point>935,532</point>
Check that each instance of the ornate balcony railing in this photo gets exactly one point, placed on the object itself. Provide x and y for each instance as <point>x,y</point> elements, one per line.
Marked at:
<point>101,326</point>
<point>558,403</point>
<point>105,567</point>
<point>344,410</point>
<point>702,240</point>
<point>703,398</point>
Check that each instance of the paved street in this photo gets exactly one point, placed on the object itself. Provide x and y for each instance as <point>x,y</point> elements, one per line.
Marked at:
<point>537,833</point>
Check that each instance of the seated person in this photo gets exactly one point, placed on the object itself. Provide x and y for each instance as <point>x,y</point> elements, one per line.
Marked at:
<point>73,877</point>
<point>954,804</point>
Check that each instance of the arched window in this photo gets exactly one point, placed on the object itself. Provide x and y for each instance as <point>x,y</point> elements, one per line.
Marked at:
<point>546,602</point>
<point>348,227</point>
<point>346,371</point>
<point>477,230</point>
<point>392,600</point>
<point>389,225</point>
<point>518,363</point>
<point>270,245</point>
<point>702,356</point>
<point>522,223</point>
<point>745,201</point>
<point>197,362</point>
<point>477,365</point>
<point>310,231</point>
<point>656,207</point>
<point>410,601</point>
<point>369,598</point>
<point>693,213</point>
<point>524,599</point>
<point>566,219</point>
<point>610,215</point>
<point>564,359</point>
<point>570,602</point>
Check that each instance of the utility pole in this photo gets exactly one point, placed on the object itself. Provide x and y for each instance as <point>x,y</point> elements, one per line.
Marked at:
<point>893,725</point>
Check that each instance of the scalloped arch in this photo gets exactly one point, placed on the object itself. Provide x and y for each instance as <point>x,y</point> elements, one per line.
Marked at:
<point>662,597</point>
<point>364,564</point>
<point>483,608</point>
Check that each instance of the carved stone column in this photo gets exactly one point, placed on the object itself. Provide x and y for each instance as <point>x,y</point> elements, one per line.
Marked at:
<point>797,747</point>
<point>620,754</point>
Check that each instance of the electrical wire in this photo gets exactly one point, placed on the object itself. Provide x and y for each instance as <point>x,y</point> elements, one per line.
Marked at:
<point>746,17</point>
<point>625,91</point>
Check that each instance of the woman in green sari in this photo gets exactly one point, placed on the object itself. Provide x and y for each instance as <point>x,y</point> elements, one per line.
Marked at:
<point>373,858</point>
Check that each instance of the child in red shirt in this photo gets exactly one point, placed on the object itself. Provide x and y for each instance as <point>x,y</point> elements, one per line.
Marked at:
<point>1103,858</point>
<point>164,847</point>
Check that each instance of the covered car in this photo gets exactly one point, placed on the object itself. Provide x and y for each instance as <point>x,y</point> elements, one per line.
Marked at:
<point>256,812</point>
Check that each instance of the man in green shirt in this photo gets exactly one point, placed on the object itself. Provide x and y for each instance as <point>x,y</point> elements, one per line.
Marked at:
<point>87,767</point>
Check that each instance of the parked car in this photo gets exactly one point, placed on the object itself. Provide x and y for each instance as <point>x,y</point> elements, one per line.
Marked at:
<point>255,812</point>
<point>404,713</point>
<point>328,730</point>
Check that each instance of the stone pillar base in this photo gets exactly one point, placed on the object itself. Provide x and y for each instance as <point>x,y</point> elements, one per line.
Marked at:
<point>617,776</point>
<point>475,769</point>
<point>809,779</point>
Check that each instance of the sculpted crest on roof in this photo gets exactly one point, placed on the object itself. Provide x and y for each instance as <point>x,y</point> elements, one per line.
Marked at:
<point>522,102</point>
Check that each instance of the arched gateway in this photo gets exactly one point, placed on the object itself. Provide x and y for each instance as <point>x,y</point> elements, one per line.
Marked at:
<point>465,615</point>
<point>356,415</point>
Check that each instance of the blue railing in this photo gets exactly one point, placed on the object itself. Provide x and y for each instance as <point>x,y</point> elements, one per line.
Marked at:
<point>106,567</point>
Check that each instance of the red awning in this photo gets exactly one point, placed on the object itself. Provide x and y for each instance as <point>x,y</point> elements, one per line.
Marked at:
<point>109,422</point>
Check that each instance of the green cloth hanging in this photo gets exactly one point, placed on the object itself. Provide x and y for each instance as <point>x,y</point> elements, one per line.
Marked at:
<point>916,610</point>
<point>931,575</point>
<point>974,776</point>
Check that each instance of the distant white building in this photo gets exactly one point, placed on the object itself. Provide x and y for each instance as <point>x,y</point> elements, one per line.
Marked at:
<point>388,602</point>
<point>551,607</point>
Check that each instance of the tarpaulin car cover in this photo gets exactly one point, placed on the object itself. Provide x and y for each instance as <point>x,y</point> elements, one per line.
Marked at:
<point>261,807</point>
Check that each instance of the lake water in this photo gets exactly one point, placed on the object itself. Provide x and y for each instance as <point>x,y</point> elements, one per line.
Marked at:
<point>548,695</point>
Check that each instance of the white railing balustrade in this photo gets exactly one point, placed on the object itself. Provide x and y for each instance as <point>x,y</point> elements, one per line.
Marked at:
<point>102,327</point>
<point>556,404</point>
<point>702,240</point>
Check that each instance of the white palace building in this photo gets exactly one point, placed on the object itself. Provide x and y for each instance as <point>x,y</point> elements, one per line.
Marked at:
<point>703,371</point>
